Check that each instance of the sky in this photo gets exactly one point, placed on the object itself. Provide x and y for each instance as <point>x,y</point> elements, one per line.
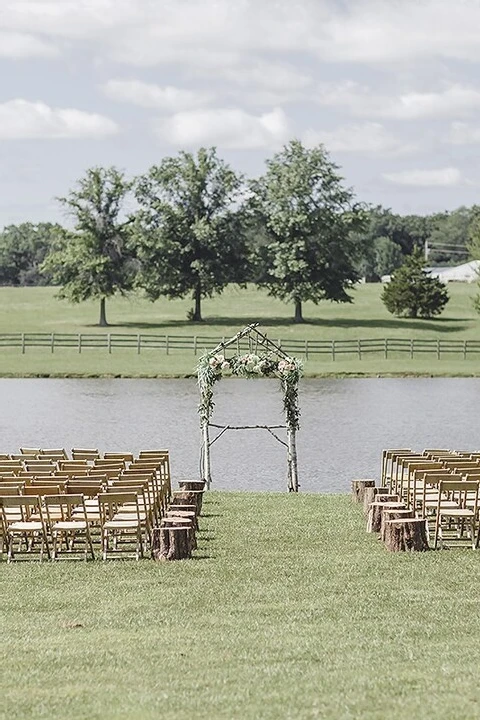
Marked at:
<point>390,87</point>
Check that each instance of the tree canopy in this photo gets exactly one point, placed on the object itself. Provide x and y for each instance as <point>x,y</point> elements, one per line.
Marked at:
<point>310,220</point>
<point>93,261</point>
<point>23,249</point>
<point>412,292</point>
<point>189,230</point>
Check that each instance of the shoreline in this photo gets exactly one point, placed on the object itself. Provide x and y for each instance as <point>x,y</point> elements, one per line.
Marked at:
<point>190,376</point>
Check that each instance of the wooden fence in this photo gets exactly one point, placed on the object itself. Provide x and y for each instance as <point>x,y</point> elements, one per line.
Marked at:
<point>197,344</point>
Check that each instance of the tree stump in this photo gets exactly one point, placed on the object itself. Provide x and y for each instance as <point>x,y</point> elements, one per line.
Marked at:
<point>406,535</point>
<point>191,484</point>
<point>188,497</point>
<point>172,543</point>
<point>369,496</point>
<point>374,521</point>
<point>178,520</point>
<point>391,513</point>
<point>358,489</point>
<point>187,511</point>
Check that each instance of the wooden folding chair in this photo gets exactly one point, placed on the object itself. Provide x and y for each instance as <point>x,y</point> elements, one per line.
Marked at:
<point>28,528</point>
<point>65,527</point>
<point>126,456</point>
<point>116,527</point>
<point>85,454</point>
<point>460,492</point>
<point>54,453</point>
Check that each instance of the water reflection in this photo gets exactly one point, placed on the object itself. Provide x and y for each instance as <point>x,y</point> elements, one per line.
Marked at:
<point>345,423</point>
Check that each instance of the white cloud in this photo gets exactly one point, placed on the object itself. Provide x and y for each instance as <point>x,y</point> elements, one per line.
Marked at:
<point>225,128</point>
<point>22,119</point>
<point>149,95</point>
<point>443,177</point>
<point>463,134</point>
<point>147,32</point>
<point>361,101</point>
<point>267,83</point>
<point>23,45</point>
<point>367,138</point>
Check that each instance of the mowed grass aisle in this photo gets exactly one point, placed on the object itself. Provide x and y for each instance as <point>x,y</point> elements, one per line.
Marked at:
<point>289,611</point>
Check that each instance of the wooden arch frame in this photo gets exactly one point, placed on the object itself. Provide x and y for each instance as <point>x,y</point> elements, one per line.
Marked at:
<point>264,359</point>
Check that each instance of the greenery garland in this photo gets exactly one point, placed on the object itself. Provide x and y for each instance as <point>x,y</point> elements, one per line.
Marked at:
<point>213,366</point>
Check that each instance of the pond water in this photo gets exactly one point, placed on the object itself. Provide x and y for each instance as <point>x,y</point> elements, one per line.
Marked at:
<point>345,423</point>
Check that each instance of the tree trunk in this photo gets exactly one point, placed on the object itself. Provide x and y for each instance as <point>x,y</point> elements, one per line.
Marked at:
<point>298,312</point>
<point>406,534</point>
<point>369,496</point>
<point>359,487</point>
<point>390,513</point>
<point>374,520</point>
<point>103,315</point>
<point>197,296</point>
<point>172,543</point>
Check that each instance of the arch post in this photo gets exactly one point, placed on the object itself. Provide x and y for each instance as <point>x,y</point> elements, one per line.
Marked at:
<point>206,467</point>
<point>292,459</point>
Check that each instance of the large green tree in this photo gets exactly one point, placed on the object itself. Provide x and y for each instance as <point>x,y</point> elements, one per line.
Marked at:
<point>23,248</point>
<point>311,221</point>
<point>190,237</point>
<point>412,292</point>
<point>93,261</point>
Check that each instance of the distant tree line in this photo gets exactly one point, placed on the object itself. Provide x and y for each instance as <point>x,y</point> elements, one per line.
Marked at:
<point>197,225</point>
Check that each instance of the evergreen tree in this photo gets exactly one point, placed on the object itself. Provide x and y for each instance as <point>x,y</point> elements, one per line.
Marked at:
<point>412,292</point>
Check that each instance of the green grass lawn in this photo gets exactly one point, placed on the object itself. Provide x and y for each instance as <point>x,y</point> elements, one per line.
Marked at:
<point>289,610</point>
<point>37,310</point>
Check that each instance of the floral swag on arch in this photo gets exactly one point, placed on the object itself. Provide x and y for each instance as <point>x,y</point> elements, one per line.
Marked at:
<point>270,362</point>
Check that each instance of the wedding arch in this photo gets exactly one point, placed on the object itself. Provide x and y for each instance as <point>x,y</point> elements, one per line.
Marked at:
<point>250,354</point>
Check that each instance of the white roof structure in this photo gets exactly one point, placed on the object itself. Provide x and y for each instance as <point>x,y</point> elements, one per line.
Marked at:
<point>468,272</point>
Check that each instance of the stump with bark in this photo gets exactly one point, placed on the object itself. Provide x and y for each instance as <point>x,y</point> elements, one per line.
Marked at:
<point>391,513</point>
<point>191,484</point>
<point>370,494</point>
<point>171,542</point>
<point>358,489</point>
<point>188,497</point>
<point>172,520</point>
<point>375,510</point>
<point>406,534</point>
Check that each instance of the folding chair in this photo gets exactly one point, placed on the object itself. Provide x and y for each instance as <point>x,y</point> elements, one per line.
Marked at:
<point>116,527</point>
<point>30,524</point>
<point>66,527</point>
<point>84,454</point>
<point>462,514</point>
<point>126,456</point>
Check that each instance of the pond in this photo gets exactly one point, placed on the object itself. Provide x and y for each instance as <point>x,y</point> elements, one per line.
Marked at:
<point>345,423</point>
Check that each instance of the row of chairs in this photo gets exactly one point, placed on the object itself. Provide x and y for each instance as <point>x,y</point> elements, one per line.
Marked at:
<point>441,485</point>
<point>117,505</point>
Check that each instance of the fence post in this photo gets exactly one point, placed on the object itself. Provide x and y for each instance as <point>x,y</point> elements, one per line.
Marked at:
<point>333,349</point>
<point>52,343</point>
<point>465,349</point>
<point>166,345</point>
<point>386,348</point>
<point>79,343</point>
<point>194,344</point>
<point>359,345</point>
<point>139,344</point>
<point>109,342</point>
<point>306,349</point>
<point>438,349</point>
<point>23,343</point>
<point>411,349</point>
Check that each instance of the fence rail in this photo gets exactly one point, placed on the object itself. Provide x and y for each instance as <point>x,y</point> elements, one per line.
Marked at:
<point>197,344</point>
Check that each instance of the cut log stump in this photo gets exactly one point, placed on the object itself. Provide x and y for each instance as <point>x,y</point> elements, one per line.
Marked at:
<point>188,497</point>
<point>391,513</point>
<point>375,510</point>
<point>191,485</point>
<point>406,534</point>
<point>358,489</point>
<point>171,542</point>
<point>173,520</point>
<point>370,494</point>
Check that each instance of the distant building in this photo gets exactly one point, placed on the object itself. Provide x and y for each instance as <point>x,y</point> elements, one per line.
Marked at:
<point>467,272</point>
